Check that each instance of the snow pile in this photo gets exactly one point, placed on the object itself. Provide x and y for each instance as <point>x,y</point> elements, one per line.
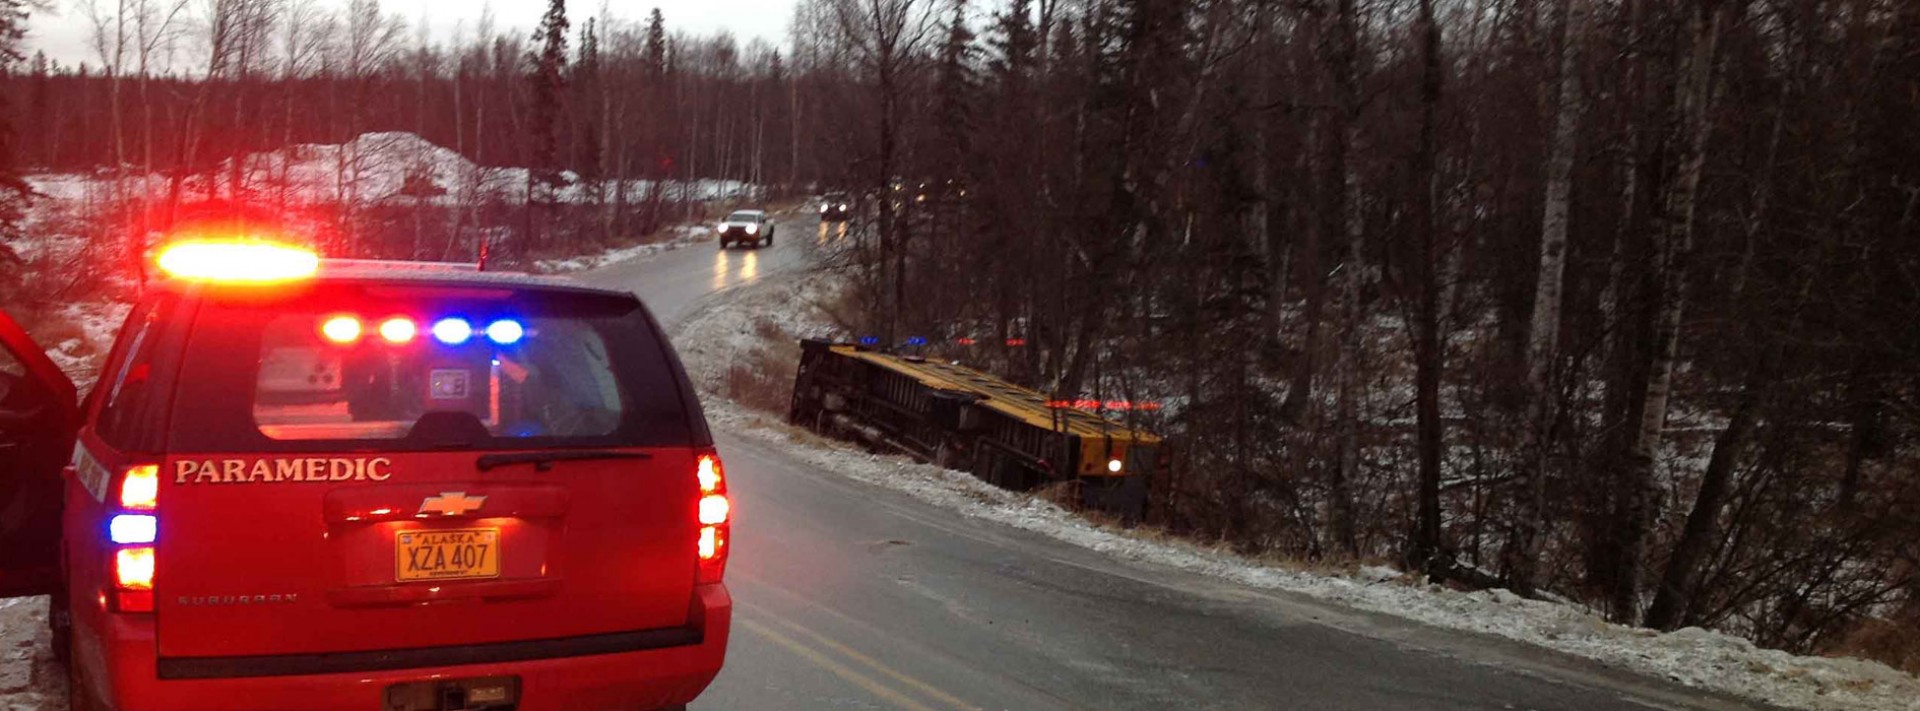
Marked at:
<point>721,332</point>
<point>680,236</point>
<point>370,168</point>
<point>30,679</point>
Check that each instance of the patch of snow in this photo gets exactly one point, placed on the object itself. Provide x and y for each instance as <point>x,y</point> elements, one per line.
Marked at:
<point>722,332</point>
<point>30,679</point>
<point>80,357</point>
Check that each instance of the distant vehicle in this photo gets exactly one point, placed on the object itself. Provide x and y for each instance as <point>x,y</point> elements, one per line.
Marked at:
<point>835,207</point>
<point>322,484</point>
<point>746,226</point>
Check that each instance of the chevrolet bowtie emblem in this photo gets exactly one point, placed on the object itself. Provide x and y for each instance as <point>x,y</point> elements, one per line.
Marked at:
<point>452,503</point>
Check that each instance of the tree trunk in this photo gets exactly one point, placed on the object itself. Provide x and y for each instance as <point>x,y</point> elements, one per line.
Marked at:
<point>1347,78</point>
<point>1691,103</point>
<point>1543,341</point>
<point>1676,587</point>
<point>1428,550</point>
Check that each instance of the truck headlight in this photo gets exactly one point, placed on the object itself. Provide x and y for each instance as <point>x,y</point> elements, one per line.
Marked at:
<point>752,229</point>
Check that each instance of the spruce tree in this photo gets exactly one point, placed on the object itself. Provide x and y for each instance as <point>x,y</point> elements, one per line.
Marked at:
<point>549,60</point>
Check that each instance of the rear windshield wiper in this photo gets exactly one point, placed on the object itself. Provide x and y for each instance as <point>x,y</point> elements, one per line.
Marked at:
<point>543,461</point>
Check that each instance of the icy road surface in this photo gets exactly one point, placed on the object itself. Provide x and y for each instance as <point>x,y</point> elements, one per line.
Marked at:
<point>851,596</point>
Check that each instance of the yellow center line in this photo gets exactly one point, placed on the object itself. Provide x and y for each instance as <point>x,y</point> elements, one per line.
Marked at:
<point>870,662</point>
<point>872,685</point>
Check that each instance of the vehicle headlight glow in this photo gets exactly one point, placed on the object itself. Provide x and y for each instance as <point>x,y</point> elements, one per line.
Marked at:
<point>752,229</point>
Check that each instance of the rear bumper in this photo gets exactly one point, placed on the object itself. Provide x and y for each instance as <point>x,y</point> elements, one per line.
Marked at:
<point>554,674</point>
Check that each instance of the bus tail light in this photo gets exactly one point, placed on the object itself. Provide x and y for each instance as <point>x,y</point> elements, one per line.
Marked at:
<point>715,516</point>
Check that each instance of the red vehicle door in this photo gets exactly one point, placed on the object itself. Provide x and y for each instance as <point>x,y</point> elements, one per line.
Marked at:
<point>38,414</point>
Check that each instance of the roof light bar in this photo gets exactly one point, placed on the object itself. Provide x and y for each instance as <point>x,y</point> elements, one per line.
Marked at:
<point>237,261</point>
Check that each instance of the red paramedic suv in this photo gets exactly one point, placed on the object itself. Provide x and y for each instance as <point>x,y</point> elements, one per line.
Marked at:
<point>306,484</point>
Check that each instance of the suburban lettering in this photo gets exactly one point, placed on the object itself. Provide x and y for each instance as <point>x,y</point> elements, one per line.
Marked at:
<point>340,470</point>
<point>207,473</point>
<point>316,469</point>
<point>181,469</point>
<point>262,471</point>
<point>373,468</point>
<point>286,470</point>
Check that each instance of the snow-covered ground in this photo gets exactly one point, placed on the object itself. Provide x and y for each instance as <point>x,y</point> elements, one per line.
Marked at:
<point>731,327</point>
<point>681,236</point>
<point>30,679</point>
<point>375,168</point>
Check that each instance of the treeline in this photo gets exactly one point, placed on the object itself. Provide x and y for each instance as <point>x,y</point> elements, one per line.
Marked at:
<point>1609,299</point>
<point>176,92</point>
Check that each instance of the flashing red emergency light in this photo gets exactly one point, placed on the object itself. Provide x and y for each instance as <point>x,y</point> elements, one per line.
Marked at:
<point>237,261</point>
<point>341,329</point>
<point>398,329</point>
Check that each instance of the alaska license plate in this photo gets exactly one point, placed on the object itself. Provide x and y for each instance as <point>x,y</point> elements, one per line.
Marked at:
<point>447,554</point>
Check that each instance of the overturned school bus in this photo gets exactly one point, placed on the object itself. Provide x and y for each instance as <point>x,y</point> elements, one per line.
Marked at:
<point>961,418</point>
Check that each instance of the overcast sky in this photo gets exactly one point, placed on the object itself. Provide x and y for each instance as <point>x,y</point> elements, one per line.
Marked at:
<point>63,33</point>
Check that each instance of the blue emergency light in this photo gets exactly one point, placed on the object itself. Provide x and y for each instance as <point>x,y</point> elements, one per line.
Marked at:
<point>133,528</point>
<point>452,331</point>
<point>506,332</point>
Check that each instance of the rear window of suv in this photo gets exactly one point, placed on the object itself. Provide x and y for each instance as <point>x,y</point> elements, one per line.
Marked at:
<point>586,369</point>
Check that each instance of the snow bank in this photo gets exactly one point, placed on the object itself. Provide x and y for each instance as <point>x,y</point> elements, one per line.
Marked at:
<point>723,331</point>
<point>682,235</point>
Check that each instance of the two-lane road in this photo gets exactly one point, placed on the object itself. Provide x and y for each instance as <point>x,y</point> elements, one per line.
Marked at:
<point>856,597</point>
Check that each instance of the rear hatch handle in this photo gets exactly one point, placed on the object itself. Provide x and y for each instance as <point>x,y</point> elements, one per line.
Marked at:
<point>543,461</point>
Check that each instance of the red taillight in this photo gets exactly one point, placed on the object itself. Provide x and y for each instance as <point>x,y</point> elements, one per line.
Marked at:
<point>140,489</point>
<point>133,579</point>
<point>714,509</point>
<point>132,574</point>
<point>133,568</point>
<point>715,515</point>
